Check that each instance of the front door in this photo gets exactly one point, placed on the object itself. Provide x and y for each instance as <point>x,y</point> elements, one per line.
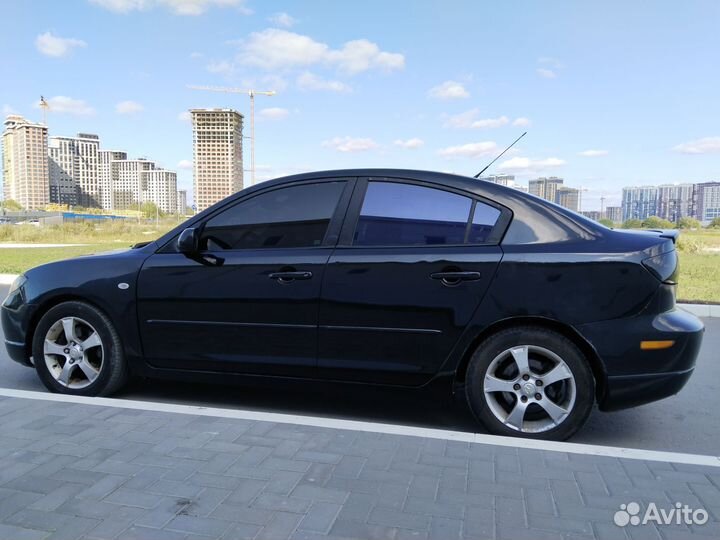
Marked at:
<point>248,301</point>
<point>412,266</point>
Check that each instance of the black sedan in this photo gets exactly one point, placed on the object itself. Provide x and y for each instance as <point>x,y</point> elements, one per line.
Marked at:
<point>384,277</point>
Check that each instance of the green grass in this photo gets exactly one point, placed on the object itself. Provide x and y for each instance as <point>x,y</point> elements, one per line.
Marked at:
<point>699,277</point>
<point>17,260</point>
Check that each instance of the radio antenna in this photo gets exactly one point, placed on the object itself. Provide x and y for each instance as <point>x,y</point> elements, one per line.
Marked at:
<point>494,160</point>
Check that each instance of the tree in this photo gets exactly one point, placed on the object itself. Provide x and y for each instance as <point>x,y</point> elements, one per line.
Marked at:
<point>688,223</point>
<point>654,222</point>
<point>632,224</point>
<point>715,223</point>
<point>607,222</point>
<point>150,210</point>
<point>9,204</point>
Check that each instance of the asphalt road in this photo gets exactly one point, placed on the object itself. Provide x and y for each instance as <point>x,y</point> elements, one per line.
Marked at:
<point>688,422</point>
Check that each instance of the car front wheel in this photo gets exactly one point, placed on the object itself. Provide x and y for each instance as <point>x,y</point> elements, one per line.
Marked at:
<point>530,382</point>
<point>76,350</point>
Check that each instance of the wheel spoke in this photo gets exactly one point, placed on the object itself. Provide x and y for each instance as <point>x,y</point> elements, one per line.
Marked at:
<point>556,412</point>
<point>66,372</point>
<point>90,372</point>
<point>53,348</point>
<point>520,355</point>
<point>517,415</point>
<point>92,341</point>
<point>558,373</point>
<point>493,384</point>
<point>68,324</point>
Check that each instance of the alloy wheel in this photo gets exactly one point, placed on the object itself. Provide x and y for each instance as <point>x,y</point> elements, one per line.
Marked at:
<point>529,389</point>
<point>73,352</point>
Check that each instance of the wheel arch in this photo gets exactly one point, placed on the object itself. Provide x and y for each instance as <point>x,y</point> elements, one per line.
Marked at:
<point>596,364</point>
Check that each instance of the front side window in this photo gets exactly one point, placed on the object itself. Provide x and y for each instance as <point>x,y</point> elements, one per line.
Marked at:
<point>395,214</point>
<point>290,217</point>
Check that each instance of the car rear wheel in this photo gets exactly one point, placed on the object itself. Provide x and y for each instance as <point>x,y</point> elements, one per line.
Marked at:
<point>76,350</point>
<point>530,382</point>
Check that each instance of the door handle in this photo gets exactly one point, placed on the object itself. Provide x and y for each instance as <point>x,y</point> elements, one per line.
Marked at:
<point>285,277</point>
<point>453,278</point>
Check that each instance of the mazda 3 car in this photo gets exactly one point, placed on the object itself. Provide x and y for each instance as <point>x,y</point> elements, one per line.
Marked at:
<point>380,277</point>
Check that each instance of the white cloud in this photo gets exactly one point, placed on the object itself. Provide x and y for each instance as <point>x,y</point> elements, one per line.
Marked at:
<point>409,144</point>
<point>521,122</point>
<point>521,164</point>
<point>68,105</point>
<point>220,66</point>
<point>706,145</point>
<point>546,73</point>
<point>469,120</point>
<point>550,61</point>
<point>196,55</point>
<point>449,90</point>
<point>178,7</point>
<point>282,19</point>
<point>350,144</point>
<point>185,164</point>
<point>55,46</point>
<point>274,113</point>
<point>184,116</point>
<point>128,107</point>
<point>310,81</point>
<point>473,150</point>
<point>274,49</point>
<point>593,153</point>
<point>7,109</point>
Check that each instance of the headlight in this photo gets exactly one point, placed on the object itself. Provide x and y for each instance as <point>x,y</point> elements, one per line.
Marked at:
<point>17,283</point>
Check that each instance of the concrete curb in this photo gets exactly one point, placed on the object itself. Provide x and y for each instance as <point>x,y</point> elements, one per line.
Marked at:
<point>699,310</point>
<point>7,279</point>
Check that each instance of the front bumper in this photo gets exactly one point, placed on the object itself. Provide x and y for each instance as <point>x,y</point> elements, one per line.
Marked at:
<point>15,317</point>
<point>634,376</point>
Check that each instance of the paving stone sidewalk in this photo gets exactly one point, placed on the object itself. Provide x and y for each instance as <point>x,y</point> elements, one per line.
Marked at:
<point>76,471</point>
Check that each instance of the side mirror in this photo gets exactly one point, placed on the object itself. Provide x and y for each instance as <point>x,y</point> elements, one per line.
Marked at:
<point>189,241</point>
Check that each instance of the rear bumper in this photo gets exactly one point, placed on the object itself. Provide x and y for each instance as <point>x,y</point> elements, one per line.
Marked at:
<point>635,376</point>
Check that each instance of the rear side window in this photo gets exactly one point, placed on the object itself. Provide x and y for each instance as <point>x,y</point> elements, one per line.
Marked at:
<point>395,214</point>
<point>296,216</point>
<point>484,219</point>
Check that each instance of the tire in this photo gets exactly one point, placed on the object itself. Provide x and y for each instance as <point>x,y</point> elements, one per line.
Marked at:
<point>495,386</point>
<point>90,363</point>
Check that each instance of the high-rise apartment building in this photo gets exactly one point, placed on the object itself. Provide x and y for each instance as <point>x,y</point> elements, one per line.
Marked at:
<point>707,201</point>
<point>568,197</point>
<point>545,188</point>
<point>502,179</point>
<point>614,213</point>
<point>639,202</point>
<point>25,162</point>
<point>217,155</point>
<point>182,201</point>
<point>160,187</point>
<point>75,159</point>
<point>675,201</point>
<point>105,159</point>
<point>128,183</point>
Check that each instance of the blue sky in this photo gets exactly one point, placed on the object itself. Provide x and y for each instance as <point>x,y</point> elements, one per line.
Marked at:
<point>612,93</point>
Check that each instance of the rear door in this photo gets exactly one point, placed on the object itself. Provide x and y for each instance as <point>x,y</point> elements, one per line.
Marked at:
<point>413,263</point>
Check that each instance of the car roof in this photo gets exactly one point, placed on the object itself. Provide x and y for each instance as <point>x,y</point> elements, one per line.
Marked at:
<point>479,187</point>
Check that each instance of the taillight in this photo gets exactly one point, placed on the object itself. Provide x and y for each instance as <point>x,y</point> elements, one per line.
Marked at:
<point>664,267</point>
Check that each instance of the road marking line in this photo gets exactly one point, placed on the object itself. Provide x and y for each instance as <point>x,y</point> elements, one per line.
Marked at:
<point>374,427</point>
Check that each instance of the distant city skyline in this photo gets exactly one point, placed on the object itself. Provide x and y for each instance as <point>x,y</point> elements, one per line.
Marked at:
<point>589,82</point>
